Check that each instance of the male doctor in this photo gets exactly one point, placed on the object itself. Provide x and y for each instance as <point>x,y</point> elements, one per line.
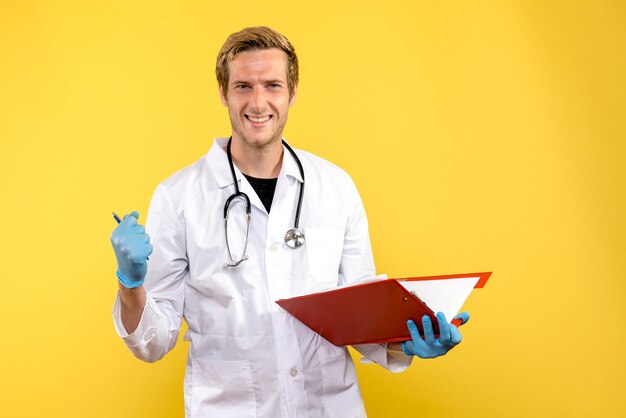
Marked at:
<point>296,225</point>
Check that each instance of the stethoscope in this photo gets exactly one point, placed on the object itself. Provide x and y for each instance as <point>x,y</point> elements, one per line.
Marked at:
<point>294,238</point>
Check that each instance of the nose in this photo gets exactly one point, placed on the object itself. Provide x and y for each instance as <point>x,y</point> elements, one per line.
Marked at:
<point>258,99</point>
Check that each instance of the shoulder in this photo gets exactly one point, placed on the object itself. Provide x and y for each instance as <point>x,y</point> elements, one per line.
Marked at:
<point>321,170</point>
<point>186,175</point>
<point>202,175</point>
<point>187,182</point>
<point>326,182</point>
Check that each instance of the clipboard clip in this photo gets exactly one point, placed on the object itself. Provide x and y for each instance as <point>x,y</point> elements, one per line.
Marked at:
<point>418,298</point>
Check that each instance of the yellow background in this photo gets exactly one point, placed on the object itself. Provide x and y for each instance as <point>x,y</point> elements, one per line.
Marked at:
<point>483,136</point>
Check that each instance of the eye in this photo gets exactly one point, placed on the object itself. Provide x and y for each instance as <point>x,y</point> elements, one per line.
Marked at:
<point>241,86</point>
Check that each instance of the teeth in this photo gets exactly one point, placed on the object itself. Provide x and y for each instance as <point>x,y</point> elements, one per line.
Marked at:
<point>259,120</point>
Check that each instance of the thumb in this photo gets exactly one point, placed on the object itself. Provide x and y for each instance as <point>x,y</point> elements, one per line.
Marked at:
<point>134,214</point>
<point>463,316</point>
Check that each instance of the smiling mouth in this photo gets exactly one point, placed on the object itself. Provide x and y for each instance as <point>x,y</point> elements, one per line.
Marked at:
<point>258,119</point>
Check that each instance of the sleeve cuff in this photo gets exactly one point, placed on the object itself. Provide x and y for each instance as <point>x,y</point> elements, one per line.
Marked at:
<point>147,327</point>
<point>399,359</point>
<point>394,361</point>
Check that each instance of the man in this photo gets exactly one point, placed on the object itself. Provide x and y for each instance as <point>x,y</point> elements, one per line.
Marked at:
<point>249,358</point>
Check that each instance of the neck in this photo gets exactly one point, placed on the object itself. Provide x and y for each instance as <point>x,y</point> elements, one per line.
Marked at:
<point>260,162</point>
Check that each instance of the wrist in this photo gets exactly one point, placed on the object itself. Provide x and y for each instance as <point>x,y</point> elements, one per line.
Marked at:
<point>134,298</point>
<point>406,350</point>
<point>395,346</point>
<point>128,284</point>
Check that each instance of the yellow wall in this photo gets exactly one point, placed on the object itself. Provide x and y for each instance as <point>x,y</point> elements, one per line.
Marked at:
<point>482,136</point>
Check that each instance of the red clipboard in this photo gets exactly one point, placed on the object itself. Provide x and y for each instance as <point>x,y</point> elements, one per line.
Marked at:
<point>373,312</point>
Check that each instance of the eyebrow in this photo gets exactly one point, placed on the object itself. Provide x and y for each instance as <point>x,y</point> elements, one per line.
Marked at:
<point>277,81</point>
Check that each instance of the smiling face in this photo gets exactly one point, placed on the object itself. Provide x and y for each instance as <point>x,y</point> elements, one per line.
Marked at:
<point>257,97</point>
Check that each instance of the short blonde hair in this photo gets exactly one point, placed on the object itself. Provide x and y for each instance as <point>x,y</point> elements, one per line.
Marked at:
<point>258,37</point>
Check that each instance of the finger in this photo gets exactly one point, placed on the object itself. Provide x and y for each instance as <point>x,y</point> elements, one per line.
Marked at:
<point>129,221</point>
<point>138,229</point>
<point>115,239</point>
<point>455,335</point>
<point>138,262</point>
<point>429,333</point>
<point>145,238</point>
<point>135,252</point>
<point>463,316</point>
<point>143,250</point>
<point>417,343</point>
<point>415,334</point>
<point>444,329</point>
<point>133,214</point>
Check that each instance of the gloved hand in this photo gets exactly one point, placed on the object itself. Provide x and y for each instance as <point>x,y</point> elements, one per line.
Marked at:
<point>429,346</point>
<point>132,248</point>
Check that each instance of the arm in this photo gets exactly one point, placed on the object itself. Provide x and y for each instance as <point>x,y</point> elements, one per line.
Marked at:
<point>148,318</point>
<point>132,248</point>
<point>133,302</point>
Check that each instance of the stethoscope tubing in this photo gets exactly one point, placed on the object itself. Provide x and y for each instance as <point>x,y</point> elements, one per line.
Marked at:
<point>296,221</point>
<point>294,238</point>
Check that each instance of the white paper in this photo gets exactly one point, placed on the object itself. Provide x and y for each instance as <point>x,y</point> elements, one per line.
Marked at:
<point>378,278</point>
<point>442,295</point>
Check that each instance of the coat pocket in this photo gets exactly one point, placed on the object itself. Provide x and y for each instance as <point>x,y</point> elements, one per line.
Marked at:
<point>222,389</point>
<point>324,247</point>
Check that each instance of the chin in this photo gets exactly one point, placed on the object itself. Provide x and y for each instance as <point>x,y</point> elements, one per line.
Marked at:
<point>260,142</point>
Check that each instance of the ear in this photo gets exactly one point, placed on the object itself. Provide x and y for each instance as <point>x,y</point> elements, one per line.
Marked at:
<point>292,101</point>
<point>223,97</point>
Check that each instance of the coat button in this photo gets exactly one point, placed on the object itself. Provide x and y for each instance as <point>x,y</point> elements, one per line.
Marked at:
<point>293,372</point>
<point>149,335</point>
<point>273,247</point>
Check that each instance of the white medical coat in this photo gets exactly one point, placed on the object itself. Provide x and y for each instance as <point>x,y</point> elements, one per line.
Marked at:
<point>248,357</point>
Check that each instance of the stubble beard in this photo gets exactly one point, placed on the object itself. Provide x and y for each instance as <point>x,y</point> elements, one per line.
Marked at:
<point>263,143</point>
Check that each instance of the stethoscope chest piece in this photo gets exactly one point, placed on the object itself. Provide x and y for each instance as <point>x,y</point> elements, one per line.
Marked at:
<point>294,238</point>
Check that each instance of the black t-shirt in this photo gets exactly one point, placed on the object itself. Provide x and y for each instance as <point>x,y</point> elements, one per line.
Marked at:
<point>264,188</point>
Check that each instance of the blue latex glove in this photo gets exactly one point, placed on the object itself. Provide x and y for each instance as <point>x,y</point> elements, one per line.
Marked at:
<point>429,346</point>
<point>132,248</point>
